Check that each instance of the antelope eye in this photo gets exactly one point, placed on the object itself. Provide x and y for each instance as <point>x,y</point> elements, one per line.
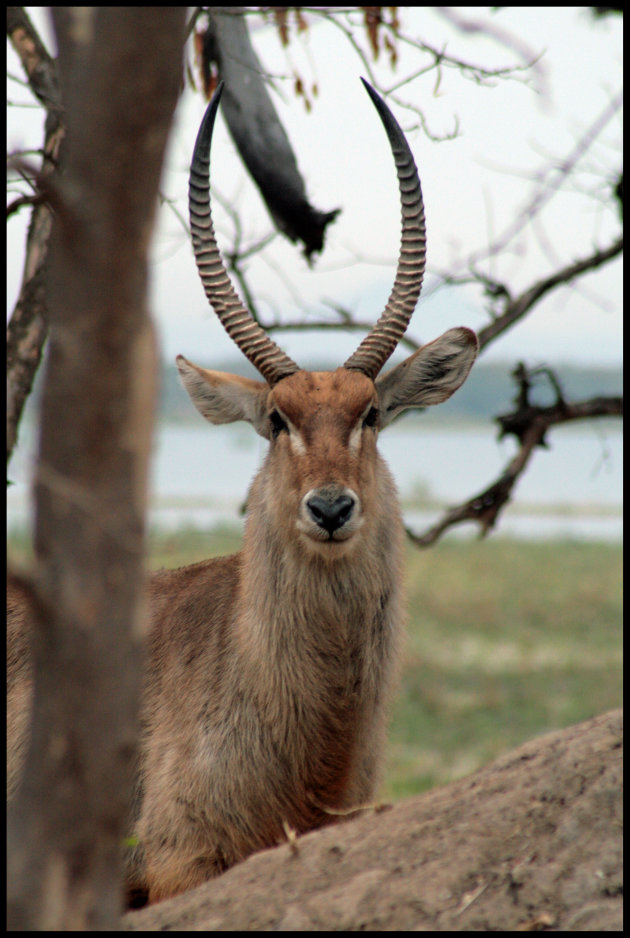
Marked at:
<point>371,418</point>
<point>277,424</point>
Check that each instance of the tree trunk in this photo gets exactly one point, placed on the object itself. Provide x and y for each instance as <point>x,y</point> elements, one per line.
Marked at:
<point>120,71</point>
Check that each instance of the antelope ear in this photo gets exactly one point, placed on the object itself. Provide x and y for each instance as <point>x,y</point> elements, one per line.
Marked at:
<point>224,398</point>
<point>429,376</point>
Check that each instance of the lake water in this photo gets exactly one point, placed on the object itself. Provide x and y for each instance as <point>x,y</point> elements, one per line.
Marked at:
<point>201,474</point>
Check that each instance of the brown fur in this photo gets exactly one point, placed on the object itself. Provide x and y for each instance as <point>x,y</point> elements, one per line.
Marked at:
<point>269,672</point>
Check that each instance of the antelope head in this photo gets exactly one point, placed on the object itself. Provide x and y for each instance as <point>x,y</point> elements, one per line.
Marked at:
<point>323,466</point>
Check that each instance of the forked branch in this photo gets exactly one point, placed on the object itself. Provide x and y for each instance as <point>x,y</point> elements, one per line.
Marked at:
<point>529,423</point>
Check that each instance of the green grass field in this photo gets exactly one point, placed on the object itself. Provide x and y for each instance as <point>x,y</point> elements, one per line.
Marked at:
<point>506,640</point>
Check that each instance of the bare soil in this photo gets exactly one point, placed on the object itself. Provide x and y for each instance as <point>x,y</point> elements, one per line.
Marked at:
<point>531,842</point>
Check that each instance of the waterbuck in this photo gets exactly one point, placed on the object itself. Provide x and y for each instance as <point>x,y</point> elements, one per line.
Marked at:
<point>269,672</point>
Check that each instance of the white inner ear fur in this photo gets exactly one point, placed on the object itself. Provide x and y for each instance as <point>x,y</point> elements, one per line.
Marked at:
<point>429,376</point>
<point>225,398</point>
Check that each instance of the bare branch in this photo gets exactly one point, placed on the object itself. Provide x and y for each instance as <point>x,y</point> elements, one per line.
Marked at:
<point>516,308</point>
<point>346,322</point>
<point>27,329</point>
<point>544,193</point>
<point>529,424</point>
<point>436,59</point>
<point>529,58</point>
<point>39,66</point>
<point>513,308</point>
<point>31,200</point>
<point>239,253</point>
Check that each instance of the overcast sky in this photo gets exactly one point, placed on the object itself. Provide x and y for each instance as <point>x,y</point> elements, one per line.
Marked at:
<point>474,186</point>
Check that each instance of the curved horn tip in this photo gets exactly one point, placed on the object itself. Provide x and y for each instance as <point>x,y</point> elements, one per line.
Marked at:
<point>383,338</point>
<point>206,127</point>
<point>368,87</point>
<point>377,99</point>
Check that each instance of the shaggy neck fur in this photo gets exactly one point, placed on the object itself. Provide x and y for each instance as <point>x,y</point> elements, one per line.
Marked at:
<point>321,638</point>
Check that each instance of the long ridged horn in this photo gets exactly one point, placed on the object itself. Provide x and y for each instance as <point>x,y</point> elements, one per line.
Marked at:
<point>379,344</point>
<point>272,363</point>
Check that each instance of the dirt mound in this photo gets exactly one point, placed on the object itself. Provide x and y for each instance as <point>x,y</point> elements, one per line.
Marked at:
<point>532,841</point>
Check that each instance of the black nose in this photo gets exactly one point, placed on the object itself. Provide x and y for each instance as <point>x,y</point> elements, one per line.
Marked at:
<point>330,513</point>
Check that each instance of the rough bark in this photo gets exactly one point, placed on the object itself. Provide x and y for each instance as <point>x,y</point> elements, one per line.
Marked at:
<point>28,327</point>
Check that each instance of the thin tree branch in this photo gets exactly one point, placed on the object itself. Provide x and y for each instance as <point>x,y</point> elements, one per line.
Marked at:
<point>517,307</point>
<point>529,424</point>
<point>345,323</point>
<point>545,193</point>
<point>27,329</point>
<point>38,64</point>
<point>494,31</point>
<point>31,200</point>
<point>512,308</point>
<point>437,59</point>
